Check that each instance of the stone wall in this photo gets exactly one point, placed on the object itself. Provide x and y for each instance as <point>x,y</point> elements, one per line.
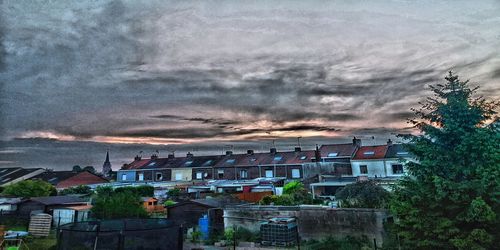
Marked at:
<point>315,222</point>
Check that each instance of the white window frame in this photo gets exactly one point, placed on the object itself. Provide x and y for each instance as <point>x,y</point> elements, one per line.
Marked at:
<point>269,175</point>
<point>243,173</point>
<point>124,177</point>
<point>219,172</point>
<point>296,173</point>
<point>361,172</point>
<point>199,175</point>
<point>141,177</point>
<point>160,176</point>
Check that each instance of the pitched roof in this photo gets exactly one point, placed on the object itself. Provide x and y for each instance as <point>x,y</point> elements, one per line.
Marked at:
<point>9,174</point>
<point>370,152</point>
<point>338,150</point>
<point>397,151</point>
<point>58,200</point>
<point>54,177</point>
<point>136,164</point>
<point>81,178</point>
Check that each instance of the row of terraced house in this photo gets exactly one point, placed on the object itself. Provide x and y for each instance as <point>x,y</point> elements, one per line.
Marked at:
<point>324,169</point>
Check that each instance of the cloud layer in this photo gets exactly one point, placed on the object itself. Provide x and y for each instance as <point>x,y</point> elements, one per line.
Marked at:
<point>215,71</point>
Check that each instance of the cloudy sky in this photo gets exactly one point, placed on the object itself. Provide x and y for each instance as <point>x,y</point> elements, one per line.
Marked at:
<point>82,77</point>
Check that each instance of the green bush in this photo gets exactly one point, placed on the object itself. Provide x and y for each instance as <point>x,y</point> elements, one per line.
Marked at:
<point>30,188</point>
<point>143,191</point>
<point>85,190</point>
<point>109,204</point>
<point>169,203</point>
<point>364,194</point>
<point>347,243</point>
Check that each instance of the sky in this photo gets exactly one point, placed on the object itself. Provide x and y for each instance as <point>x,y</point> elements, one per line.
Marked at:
<point>78,78</point>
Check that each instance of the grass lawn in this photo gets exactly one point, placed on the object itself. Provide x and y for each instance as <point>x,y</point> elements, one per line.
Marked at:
<point>35,243</point>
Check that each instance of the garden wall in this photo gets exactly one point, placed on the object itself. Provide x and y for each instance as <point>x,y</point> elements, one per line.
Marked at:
<point>315,222</point>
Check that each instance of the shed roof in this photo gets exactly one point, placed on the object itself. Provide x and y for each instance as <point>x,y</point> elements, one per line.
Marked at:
<point>58,200</point>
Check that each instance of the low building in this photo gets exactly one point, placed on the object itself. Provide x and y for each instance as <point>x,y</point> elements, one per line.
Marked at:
<point>82,178</point>
<point>47,204</point>
<point>70,214</point>
<point>8,205</point>
<point>151,205</point>
<point>12,175</point>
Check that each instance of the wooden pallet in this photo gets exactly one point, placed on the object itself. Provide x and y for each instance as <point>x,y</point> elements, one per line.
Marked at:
<point>40,225</point>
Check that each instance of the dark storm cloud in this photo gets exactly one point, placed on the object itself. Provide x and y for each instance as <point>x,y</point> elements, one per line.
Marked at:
<point>185,70</point>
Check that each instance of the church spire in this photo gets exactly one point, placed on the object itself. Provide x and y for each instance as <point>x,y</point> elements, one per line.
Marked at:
<point>106,167</point>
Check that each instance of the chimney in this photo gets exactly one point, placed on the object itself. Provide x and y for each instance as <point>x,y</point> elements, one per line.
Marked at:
<point>154,156</point>
<point>389,142</point>
<point>298,149</point>
<point>317,154</point>
<point>189,155</point>
<point>229,152</point>
<point>171,156</point>
<point>137,158</point>
<point>356,142</point>
<point>250,152</point>
<point>273,151</point>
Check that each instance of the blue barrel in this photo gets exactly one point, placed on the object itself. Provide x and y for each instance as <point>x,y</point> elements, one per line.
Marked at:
<point>203,225</point>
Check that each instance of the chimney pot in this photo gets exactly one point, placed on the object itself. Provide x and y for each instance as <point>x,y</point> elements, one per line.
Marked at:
<point>229,152</point>
<point>273,150</point>
<point>389,142</point>
<point>250,152</point>
<point>356,141</point>
<point>171,156</point>
<point>137,158</point>
<point>189,154</point>
<point>298,149</point>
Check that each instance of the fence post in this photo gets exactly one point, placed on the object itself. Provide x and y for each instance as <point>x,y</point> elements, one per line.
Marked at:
<point>59,236</point>
<point>374,243</point>
<point>97,234</point>
<point>180,239</point>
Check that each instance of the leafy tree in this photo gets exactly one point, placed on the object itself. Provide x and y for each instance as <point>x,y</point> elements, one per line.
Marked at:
<point>109,204</point>
<point>142,191</point>
<point>82,189</point>
<point>292,187</point>
<point>363,194</point>
<point>89,169</point>
<point>77,168</point>
<point>452,199</point>
<point>30,188</point>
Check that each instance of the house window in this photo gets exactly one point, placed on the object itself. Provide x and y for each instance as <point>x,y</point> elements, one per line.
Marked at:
<point>150,203</point>
<point>363,169</point>
<point>178,176</point>
<point>141,177</point>
<point>220,173</point>
<point>397,169</point>
<point>295,173</point>
<point>124,177</point>
<point>199,175</point>
<point>243,174</point>
<point>159,176</point>
<point>269,173</point>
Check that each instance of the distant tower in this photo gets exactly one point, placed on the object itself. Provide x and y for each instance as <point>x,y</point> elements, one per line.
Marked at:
<point>106,167</point>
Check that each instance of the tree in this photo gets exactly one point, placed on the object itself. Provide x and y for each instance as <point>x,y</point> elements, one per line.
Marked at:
<point>30,188</point>
<point>89,169</point>
<point>142,191</point>
<point>451,199</point>
<point>82,189</point>
<point>363,194</point>
<point>77,168</point>
<point>292,187</point>
<point>109,204</point>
